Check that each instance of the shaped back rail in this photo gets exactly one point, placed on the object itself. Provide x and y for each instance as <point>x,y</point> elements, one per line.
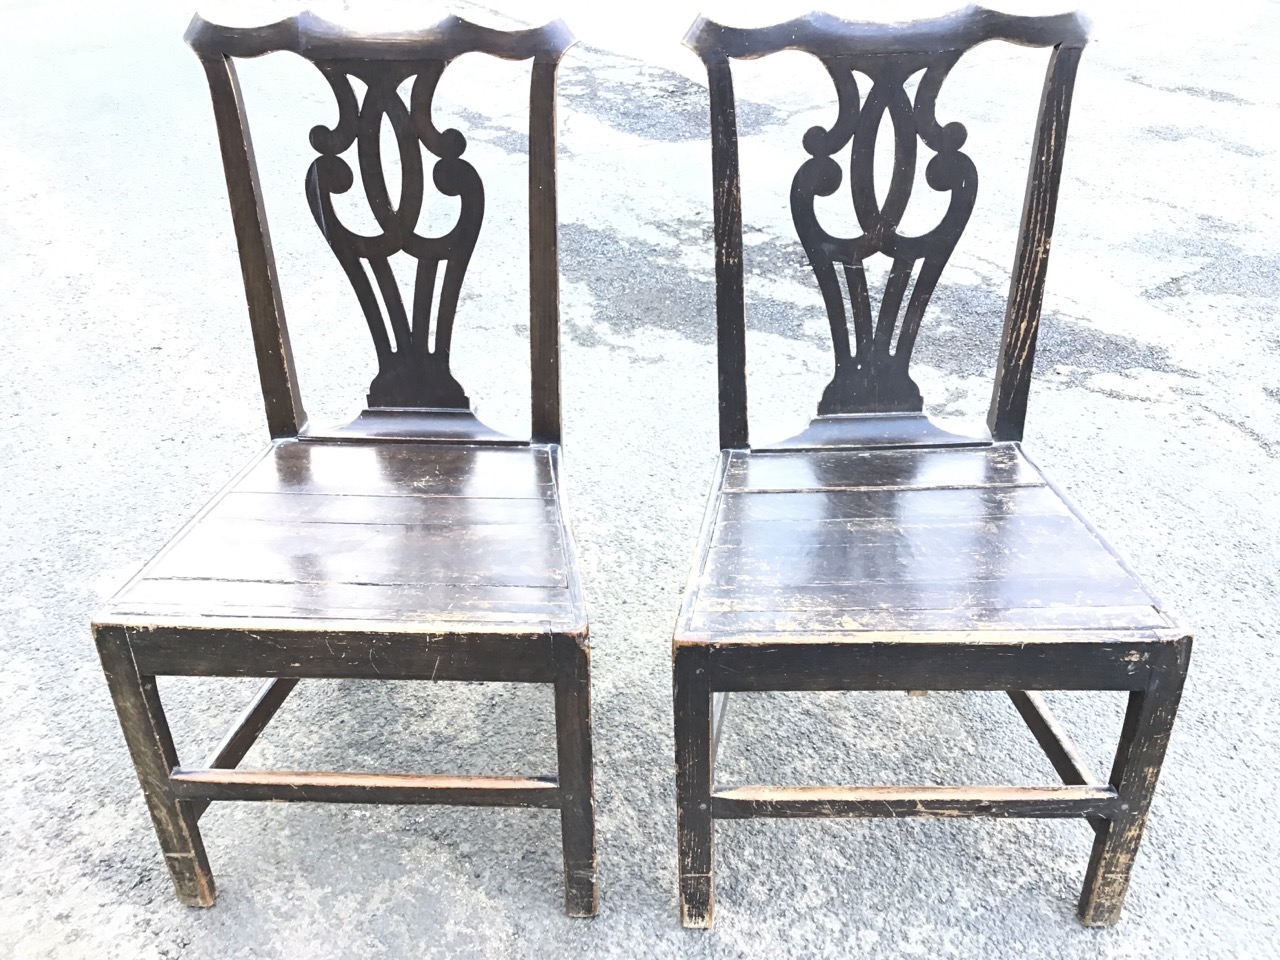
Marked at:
<point>871,368</point>
<point>413,367</point>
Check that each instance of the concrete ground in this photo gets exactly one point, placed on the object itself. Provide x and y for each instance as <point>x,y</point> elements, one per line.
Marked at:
<point>130,396</point>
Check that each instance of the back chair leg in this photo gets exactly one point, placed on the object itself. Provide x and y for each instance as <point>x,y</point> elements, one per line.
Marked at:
<point>147,733</point>
<point>1145,736</point>
<point>577,784</point>
<point>693,784</point>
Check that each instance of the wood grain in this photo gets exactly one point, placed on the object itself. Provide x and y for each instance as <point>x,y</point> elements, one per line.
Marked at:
<point>731,331</point>
<point>1008,412</point>
<point>990,466</point>
<point>280,392</point>
<point>451,538</point>
<point>314,787</point>
<point>413,543</point>
<point>544,269</point>
<point>921,801</point>
<point>872,346</point>
<point>877,550</point>
<point>864,541</point>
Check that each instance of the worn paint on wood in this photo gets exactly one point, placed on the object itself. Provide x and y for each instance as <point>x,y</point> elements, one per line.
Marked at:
<point>875,550</point>
<point>412,544</point>
<point>872,348</point>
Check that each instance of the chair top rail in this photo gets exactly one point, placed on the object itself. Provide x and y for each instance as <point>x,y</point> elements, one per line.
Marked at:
<point>316,38</point>
<point>824,35</point>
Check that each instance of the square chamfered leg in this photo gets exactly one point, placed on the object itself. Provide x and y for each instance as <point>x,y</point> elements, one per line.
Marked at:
<point>1151,671</point>
<point>146,731</point>
<point>694,824</point>
<point>577,783</point>
<point>1143,740</point>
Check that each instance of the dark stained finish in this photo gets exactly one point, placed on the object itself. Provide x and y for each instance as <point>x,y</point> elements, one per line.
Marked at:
<point>544,271</point>
<point>249,726</point>
<point>253,720</point>
<point>315,38</point>
<point>987,563</point>
<point>1144,738</point>
<point>826,36</point>
<point>1031,262</point>
<point>1041,802</point>
<point>913,659</point>
<point>731,329</point>
<point>1070,766</point>
<point>692,688</point>
<point>308,786</point>
<point>411,330</point>
<point>876,550</point>
<point>440,426</point>
<point>873,430</point>
<point>411,373</point>
<point>871,374</point>
<point>413,543</point>
<point>873,353</point>
<point>978,468</point>
<point>577,785</point>
<point>280,393</point>
<point>146,731</point>
<point>356,649</point>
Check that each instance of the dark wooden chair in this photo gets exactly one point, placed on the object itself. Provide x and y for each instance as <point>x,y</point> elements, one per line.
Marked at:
<point>876,551</point>
<point>414,543</point>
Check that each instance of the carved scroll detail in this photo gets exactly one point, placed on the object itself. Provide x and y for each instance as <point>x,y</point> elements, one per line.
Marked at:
<point>412,370</point>
<point>871,372</point>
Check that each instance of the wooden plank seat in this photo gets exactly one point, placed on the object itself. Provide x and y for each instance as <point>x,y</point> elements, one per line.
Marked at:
<point>850,542</point>
<point>413,543</point>
<point>462,537</point>
<point>877,550</point>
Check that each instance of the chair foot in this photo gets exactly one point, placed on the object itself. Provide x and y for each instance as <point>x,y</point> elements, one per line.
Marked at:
<point>192,880</point>
<point>581,890</point>
<point>1107,881</point>
<point>697,902</point>
<point>146,731</point>
<point>577,781</point>
<point>694,824</point>
<point>1148,723</point>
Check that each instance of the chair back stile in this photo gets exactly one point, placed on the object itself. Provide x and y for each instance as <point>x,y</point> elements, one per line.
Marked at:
<point>872,353</point>
<point>411,331</point>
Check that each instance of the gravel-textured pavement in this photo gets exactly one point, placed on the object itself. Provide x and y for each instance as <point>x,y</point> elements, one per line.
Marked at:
<point>130,395</point>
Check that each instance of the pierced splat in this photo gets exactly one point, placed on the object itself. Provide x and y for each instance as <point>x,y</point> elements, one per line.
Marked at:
<point>871,399</point>
<point>871,370</point>
<point>413,371</point>
<point>414,395</point>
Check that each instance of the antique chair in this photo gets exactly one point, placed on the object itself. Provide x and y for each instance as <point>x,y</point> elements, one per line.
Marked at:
<point>877,551</point>
<point>414,543</point>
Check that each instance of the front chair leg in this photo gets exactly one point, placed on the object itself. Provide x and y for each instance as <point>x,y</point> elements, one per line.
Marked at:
<point>1145,736</point>
<point>147,733</point>
<point>577,782</point>
<point>693,784</point>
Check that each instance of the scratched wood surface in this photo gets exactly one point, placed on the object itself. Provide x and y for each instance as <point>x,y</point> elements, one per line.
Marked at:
<point>871,67</point>
<point>854,541</point>
<point>413,543</point>
<point>379,82</point>
<point>876,550</point>
<point>457,537</point>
